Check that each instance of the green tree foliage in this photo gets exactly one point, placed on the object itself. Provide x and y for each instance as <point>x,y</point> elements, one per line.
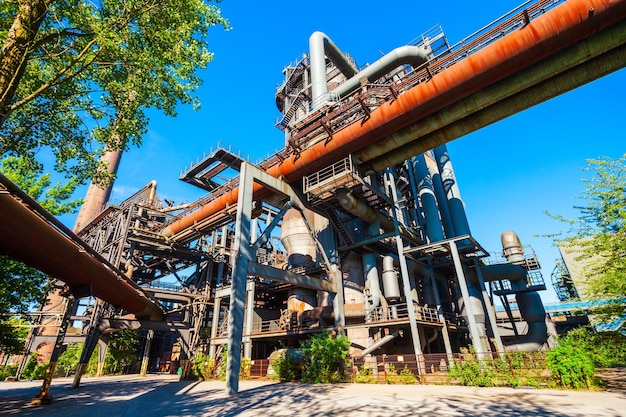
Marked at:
<point>76,77</point>
<point>122,351</point>
<point>581,351</point>
<point>598,234</point>
<point>21,286</point>
<point>325,358</point>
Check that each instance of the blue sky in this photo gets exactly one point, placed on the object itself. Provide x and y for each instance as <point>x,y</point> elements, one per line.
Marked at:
<point>508,173</point>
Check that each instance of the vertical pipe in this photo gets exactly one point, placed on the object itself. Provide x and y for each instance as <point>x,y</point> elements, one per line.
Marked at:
<point>404,272</point>
<point>453,195</point>
<point>370,270</point>
<point>247,347</point>
<point>490,311</point>
<point>444,330</point>
<point>427,199</point>
<point>416,213</point>
<point>338,302</point>
<point>440,194</point>
<point>222,255</point>
<point>214,323</point>
<point>471,318</point>
<point>240,258</point>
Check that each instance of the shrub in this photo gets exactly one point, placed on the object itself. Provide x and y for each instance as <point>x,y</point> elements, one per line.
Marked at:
<point>574,361</point>
<point>405,376</point>
<point>365,376</point>
<point>285,365</point>
<point>33,370</point>
<point>325,358</point>
<point>7,371</point>
<point>203,366</point>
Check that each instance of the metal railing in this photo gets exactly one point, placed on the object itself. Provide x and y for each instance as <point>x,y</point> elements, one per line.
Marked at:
<point>398,312</point>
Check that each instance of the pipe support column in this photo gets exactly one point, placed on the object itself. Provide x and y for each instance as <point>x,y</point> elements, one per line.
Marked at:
<point>239,262</point>
<point>473,326</point>
<point>406,284</point>
<point>44,396</point>
<point>490,311</point>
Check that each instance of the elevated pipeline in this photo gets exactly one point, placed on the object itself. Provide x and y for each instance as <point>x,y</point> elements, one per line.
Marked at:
<point>559,28</point>
<point>28,236</point>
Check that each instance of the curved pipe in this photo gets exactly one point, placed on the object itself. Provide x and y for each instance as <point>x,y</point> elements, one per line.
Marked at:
<point>321,46</point>
<point>529,304</point>
<point>412,55</point>
<point>559,28</point>
<point>362,210</point>
<point>33,241</point>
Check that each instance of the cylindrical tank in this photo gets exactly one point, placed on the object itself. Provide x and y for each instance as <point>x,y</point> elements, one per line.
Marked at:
<point>390,280</point>
<point>370,270</point>
<point>301,252</point>
<point>297,240</point>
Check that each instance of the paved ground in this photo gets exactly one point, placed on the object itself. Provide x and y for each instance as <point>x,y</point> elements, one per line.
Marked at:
<point>164,395</point>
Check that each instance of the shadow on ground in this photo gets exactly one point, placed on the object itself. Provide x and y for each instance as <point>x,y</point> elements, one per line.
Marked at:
<point>168,397</point>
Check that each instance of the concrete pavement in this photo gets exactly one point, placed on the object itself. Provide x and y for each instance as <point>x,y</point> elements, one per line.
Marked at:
<point>165,395</point>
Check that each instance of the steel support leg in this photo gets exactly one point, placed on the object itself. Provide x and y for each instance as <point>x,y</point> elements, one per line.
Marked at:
<point>444,330</point>
<point>406,282</point>
<point>473,326</point>
<point>44,396</point>
<point>102,352</point>
<point>91,341</point>
<point>241,257</point>
<point>214,323</point>
<point>146,353</point>
<point>490,311</point>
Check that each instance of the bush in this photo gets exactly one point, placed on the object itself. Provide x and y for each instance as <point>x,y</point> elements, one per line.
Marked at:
<point>470,372</point>
<point>7,371</point>
<point>325,358</point>
<point>203,366</point>
<point>33,370</point>
<point>574,361</point>
<point>365,376</point>
<point>285,365</point>
<point>405,376</point>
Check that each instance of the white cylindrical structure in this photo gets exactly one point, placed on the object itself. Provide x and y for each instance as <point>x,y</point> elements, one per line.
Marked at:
<point>390,281</point>
<point>372,283</point>
<point>297,240</point>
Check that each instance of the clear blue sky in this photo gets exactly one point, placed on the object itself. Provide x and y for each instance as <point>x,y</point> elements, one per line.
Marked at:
<point>508,172</point>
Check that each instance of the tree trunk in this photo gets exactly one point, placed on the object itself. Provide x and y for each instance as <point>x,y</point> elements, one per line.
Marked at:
<point>17,48</point>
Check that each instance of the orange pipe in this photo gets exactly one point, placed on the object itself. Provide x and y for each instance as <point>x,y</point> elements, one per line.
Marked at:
<point>560,27</point>
<point>28,238</point>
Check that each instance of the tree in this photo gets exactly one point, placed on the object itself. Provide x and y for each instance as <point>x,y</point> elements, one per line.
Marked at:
<point>76,77</point>
<point>598,235</point>
<point>20,285</point>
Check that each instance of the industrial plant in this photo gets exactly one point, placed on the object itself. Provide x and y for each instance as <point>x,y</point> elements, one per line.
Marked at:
<point>356,226</point>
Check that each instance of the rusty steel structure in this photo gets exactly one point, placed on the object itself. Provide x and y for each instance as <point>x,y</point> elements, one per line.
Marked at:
<point>373,242</point>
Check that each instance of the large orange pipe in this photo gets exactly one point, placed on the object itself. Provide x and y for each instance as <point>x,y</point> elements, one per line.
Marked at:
<point>560,27</point>
<point>28,238</point>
